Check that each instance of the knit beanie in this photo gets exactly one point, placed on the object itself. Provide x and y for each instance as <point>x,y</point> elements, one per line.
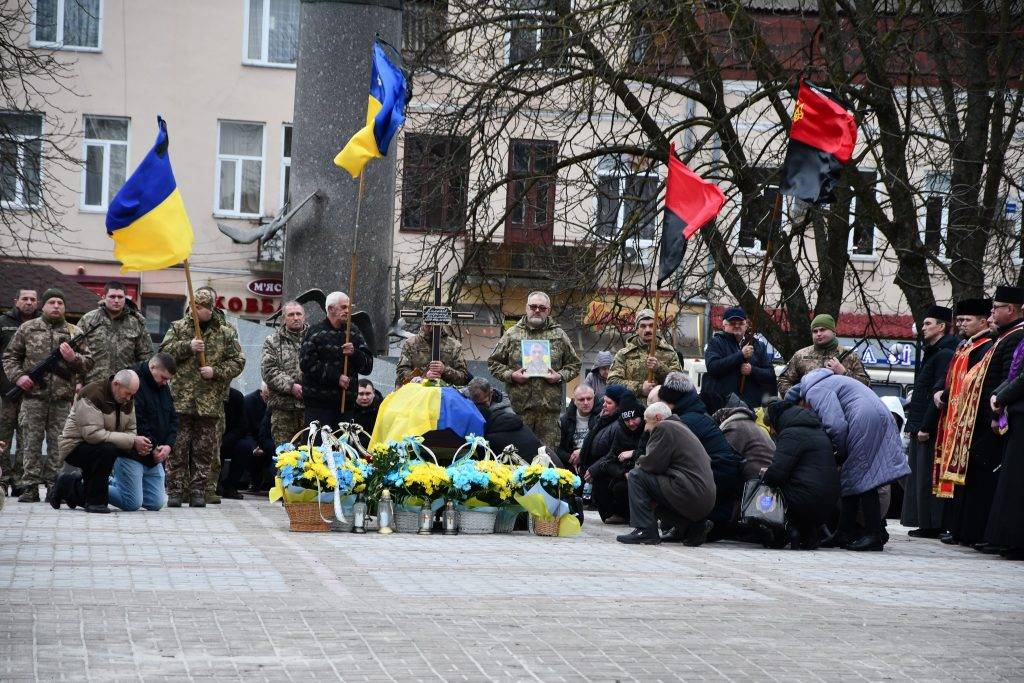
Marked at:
<point>53,293</point>
<point>774,410</point>
<point>630,408</point>
<point>618,393</point>
<point>824,320</point>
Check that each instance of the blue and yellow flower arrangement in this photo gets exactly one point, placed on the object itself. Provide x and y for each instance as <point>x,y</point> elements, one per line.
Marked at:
<point>303,474</point>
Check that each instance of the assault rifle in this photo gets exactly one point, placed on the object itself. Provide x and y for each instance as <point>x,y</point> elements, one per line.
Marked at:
<point>46,366</point>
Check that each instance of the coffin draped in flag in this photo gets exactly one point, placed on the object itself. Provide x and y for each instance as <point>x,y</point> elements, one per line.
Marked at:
<point>690,204</point>
<point>418,408</point>
<point>821,141</point>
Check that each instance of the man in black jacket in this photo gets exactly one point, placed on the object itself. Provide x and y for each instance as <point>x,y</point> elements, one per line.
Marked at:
<point>258,440</point>
<point>577,420</point>
<point>731,358</point>
<point>322,360</point>
<point>920,506</point>
<point>246,442</point>
<point>502,427</point>
<point>138,481</point>
<point>368,401</point>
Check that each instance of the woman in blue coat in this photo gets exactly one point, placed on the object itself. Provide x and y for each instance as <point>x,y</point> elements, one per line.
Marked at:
<point>868,446</point>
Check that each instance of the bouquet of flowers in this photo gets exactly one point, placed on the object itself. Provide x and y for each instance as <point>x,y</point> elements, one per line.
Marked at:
<point>557,482</point>
<point>481,483</point>
<point>544,491</point>
<point>419,481</point>
<point>304,473</point>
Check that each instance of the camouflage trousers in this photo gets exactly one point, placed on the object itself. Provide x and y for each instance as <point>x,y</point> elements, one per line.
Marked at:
<point>10,462</point>
<point>196,449</point>
<point>544,424</point>
<point>284,424</point>
<point>39,419</point>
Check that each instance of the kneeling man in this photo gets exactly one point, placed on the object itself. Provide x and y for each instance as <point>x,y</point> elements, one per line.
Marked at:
<point>99,429</point>
<point>674,475</point>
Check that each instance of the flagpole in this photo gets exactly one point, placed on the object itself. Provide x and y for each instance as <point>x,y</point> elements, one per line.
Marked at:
<point>195,314</point>
<point>352,283</point>
<point>769,247</point>
<point>652,347</point>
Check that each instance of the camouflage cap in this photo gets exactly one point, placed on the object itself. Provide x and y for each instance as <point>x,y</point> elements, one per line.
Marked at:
<point>205,297</point>
<point>644,314</point>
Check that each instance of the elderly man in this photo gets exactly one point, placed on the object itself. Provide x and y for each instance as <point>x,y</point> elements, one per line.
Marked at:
<point>673,477</point>
<point>279,367</point>
<point>100,429</point>
<point>634,364</point>
<point>538,400</point>
<point>120,338</point>
<point>199,389</point>
<point>733,360</point>
<point>46,404</point>
<point>574,424</point>
<point>415,359</point>
<point>24,309</point>
<point>825,352</point>
<point>325,378</point>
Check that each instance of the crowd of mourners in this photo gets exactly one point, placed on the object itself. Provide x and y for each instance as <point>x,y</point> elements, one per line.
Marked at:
<point>149,428</point>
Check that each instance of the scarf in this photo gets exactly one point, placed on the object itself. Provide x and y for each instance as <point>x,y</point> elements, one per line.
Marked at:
<point>1016,365</point>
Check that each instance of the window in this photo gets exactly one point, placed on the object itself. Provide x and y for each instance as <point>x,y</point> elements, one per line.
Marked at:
<point>435,182</point>
<point>535,37</point>
<point>239,189</point>
<point>106,160</point>
<point>73,24</point>
<point>862,229</point>
<point>936,213</point>
<point>271,32</point>
<point>423,22</point>
<point>21,151</point>
<point>757,211</point>
<point>286,164</point>
<point>531,191</point>
<point>627,198</point>
<point>160,311</point>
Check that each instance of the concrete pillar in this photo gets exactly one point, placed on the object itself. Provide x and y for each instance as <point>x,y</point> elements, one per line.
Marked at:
<point>331,88</point>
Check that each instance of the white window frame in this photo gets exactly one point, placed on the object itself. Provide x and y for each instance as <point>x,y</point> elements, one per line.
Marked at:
<point>264,59</point>
<point>286,162</point>
<point>922,223</point>
<point>238,159</point>
<point>620,220</point>
<point>20,204</point>
<point>106,145</point>
<point>59,43</point>
<point>874,255</point>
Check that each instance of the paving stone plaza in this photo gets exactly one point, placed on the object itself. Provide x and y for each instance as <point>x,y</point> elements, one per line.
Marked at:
<point>227,593</point>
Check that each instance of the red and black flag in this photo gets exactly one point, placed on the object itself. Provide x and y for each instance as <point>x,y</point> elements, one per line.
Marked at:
<point>690,203</point>
<point>821,140</point>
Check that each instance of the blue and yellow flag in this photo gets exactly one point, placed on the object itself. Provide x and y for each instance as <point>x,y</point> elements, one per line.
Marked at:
<point>147,218</point>
<point>384,115</point>
<point>416,409</point>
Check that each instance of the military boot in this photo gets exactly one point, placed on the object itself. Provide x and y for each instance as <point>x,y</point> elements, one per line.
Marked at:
<point>211,498</point>
<point>174,500</point>
<point>196,500</point>
<point>29,495</point>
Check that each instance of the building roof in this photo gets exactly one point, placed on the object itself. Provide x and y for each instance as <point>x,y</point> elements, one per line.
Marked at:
<point>15,276</point>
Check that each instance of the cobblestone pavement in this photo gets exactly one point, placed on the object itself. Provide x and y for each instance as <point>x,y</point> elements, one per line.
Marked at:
<point>228,593</point>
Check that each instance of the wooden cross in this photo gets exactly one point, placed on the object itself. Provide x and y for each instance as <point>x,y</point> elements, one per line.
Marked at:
<point>436,316</point>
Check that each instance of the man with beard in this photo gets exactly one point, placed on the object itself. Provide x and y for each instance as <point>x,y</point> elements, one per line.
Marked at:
<point>120,338</point>
<point>538,400</point>
<point>963,429</point>
<point>825,352</point>
<point>46,404</point>
<point>280,369</point>
<point>920,506</point>
<point>24,309</point>
<point>634,363</point>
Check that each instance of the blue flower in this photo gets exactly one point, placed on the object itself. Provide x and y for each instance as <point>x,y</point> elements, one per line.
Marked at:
<point>283,448</point>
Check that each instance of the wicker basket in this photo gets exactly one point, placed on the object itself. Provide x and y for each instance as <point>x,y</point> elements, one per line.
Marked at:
<point>545,527</point>
<point>505,520</point>
<point>407,521</point>
<point>306,516</point>
<point>476,521</point>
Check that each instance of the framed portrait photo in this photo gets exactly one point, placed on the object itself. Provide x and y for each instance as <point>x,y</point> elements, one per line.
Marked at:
<point>536,357</point>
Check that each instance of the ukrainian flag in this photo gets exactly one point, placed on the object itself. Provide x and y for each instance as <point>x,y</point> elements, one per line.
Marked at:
<point>416,409</point>
<point>147,218</point>
<point>384,115</point>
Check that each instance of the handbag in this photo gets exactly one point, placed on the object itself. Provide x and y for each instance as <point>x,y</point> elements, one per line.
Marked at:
<point>762,505</point>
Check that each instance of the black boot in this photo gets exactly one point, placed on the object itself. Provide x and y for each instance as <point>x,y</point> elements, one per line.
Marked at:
<point>866,542</point>
<point>197,500</point>
<point>697,533</point>
<point>174,500</point>
<point>644,536</point>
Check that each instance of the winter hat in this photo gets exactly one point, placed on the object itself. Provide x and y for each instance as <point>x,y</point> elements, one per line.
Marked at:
<point>1009,295</point>
<point>773,410</point>
<point>675,386</point>
<point>52,293</point>
<point>940,313</point>
<point>824,320</point>
<point>978,307</point>
<point>630,408</point>
<point>793,394</point>
<point>618,393</point>
<point>604,360</point>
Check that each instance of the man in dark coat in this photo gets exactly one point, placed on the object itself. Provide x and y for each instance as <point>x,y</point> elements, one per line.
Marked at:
<point>1006,522</point>
<point>803,470</point>
<point>258,426</point>
<point>608,474</point>
<point>237,444</point>
<point>672,479</point>
<point>597,441</point>
<point>25,308</point>
<point>368,401</point>
<point>502,427</point>
<point>322,360</point>
<point>575,423</point>
<point>920,506</point>
<point>731,358</point>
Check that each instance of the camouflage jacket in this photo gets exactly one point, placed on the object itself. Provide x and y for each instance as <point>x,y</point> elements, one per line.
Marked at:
<point>507,357</point>
<point>194,395</point>
<point>415,357</point>
<point>118,342</point>
<point>810,358</point>
<point>32,343</point>
<point>9,324</point>
<point>629,369</point>
<point>279,367</point>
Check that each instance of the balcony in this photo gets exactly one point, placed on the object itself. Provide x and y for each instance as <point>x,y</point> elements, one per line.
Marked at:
<point>269,255</point>
<point>568,263</point>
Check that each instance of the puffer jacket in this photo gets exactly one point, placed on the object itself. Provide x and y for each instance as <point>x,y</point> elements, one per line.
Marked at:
<point>97,418</point>
<point>804,468</point>
<point>747,438</point>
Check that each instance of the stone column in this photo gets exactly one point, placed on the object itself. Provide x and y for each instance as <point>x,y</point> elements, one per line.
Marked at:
<point>331,88</point>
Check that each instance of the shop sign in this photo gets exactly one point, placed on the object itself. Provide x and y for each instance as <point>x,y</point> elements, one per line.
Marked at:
<point>247,306</point>
<point>266,286</point>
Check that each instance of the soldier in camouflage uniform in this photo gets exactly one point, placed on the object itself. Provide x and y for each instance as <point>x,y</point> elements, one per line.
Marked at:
<point>414,360</point>
<point>823,353</point>
<point>120,339</point>
<point>46,404</point>
<point>25,308</point>
<point>280,369</point>
<point>631,364</point>
<point>199,396</point>
<point>538,400</point>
